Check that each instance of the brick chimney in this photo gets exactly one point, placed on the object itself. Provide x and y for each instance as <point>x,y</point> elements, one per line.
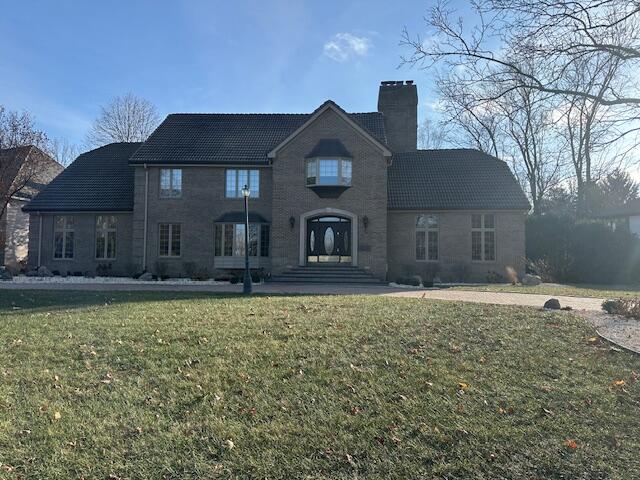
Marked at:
<point>398,102</point>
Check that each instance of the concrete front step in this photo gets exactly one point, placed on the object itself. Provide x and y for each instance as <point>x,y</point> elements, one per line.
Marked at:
<point>326,274</point>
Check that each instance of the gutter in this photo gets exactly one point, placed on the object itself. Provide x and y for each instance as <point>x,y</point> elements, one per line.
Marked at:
<point>146,217</point>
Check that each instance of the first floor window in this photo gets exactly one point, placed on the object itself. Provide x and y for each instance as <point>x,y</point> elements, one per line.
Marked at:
<point>427,237</point>
<point>169,240</point>
<point>170,183</point>
<point>229,240</point>
<point>483,237</point>
<point>63,237</point>
<point>106,237</point>
<point>237,179</point>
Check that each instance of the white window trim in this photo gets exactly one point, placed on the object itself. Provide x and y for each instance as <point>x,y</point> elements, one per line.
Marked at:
<point>425,229</point>
<point>316,161</point>
<point>222,240</point>
<point>171,225</point>
<point>482,231</point>
<point>64,230</point>
<point>105,232</point>
<point>171,186</point>
<point>239,187</point>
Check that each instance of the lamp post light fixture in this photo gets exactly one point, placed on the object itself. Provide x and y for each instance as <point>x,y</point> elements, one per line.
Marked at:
<point>247,274</point>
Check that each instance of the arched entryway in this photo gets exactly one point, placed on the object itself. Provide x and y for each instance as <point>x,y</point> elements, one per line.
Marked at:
<point>328,236</point>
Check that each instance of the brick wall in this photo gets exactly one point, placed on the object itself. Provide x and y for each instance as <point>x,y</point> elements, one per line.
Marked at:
<point>455,244</point>
<point>367,195</point>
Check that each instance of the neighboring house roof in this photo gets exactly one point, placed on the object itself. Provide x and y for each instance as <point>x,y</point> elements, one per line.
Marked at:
<point>456,179</point>
<point>26,163</point>
<point>243,138</point>
<point>98,180</point>
<point>629,209</point>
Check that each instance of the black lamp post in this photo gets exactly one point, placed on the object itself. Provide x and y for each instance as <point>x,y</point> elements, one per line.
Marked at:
<point>247,274</point>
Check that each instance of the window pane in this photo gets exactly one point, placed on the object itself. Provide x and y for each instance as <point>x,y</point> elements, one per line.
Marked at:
<point>57,244</point>
<point>421,221</point>
<point>68,244</point>
<point>111,244</point>
<point>231,183</point>
<point>433,245</point>
<point>476,221</point>
<point>68,222</point>
<point>243,179</point>
<point>421,245</point>
<point>432,221</point>
<point>489,221</point>
<point>253,240</point>
<point>176,182</point>
<point>164,240</point>
<point>59,223</point>
<point>228,240</point>
<point>175,240</point>
<point>489,246</point>
<point>111,222</point>
<point>476,246</point>
<point>311,172</point>
<point>328,174</point>
<point>238,241</point>
<point>100,245</point>
<point>264,241</point>
<point>346,172</point>
<point>254,183</point>
<point>165,181</point>
<point>217,240</point>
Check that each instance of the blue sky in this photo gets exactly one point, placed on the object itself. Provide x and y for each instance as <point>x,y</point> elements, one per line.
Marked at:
<point>61,60</point>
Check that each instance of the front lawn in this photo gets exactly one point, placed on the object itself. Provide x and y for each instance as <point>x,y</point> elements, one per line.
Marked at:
<point>171,386</point>
<point>574,290</point>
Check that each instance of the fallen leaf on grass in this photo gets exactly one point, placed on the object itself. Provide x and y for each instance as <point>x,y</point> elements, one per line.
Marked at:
<point>350,460</point>
<point>548,412</point>
<point>57,415</point>
<point>572,444</point>
<point>229,444</point>
<point>619,383</point>
<point>463,386</point>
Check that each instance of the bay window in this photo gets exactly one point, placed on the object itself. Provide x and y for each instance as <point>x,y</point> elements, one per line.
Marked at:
<point>328,171</point>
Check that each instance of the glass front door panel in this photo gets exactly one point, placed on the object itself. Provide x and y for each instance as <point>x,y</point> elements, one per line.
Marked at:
<point>328,240</point>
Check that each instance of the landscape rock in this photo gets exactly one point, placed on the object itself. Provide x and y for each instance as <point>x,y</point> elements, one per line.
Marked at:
<point>552,304</point>
<point>44,272</point>
<point>5,275</point>
<point>145,277</point>
<point>531,280</point>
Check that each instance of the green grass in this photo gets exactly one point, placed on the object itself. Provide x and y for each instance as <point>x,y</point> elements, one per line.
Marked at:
<point>575,290</point>
<point>170,386</point>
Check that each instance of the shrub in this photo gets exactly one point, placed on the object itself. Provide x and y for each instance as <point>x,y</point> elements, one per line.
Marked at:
<point>460,272</point>
<point>627,307</point>
<point>494,277</point>
<point>162,270</point>
<point>103,269</point>
<point>189,269</point>
<point>413,280</point>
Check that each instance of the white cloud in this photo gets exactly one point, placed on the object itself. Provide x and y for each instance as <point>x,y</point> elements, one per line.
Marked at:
<point>344,46</point>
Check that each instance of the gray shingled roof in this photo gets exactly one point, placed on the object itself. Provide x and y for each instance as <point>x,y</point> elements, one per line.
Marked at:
<point>98,180</point>
<point>210,138</point>
<point>456,179</point>
<point>329,147</point>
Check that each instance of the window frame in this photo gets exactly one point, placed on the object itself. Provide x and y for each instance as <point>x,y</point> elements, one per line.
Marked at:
<point>254,185</point>
<point>105,232</point>
<point>170,240</point>
<point>426,229</point>
<point>65,229</point>
<point>259,228</point>
<point>170,195</point>
<point>316,161</point>
<point>483,230</point>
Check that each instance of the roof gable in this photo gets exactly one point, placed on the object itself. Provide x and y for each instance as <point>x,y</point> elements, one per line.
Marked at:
<point>330,105</point>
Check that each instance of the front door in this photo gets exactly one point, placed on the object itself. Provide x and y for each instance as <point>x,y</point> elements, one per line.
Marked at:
<point>329,240</point>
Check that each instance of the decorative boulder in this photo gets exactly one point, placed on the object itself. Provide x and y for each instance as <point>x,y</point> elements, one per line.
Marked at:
<point>5,275</point>
<point>44,272</point>
<point>146,277</point>
<point>552,304</point>
<point>531,280</point>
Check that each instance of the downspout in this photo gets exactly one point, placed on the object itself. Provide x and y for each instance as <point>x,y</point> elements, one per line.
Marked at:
<point>39,238</point>
<point>146,212</point>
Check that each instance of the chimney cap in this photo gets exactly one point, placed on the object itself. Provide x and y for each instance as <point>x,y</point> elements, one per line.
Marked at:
<point>395,83</point>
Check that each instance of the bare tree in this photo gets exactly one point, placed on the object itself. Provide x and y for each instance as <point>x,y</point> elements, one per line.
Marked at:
<point>18,129</point>
<point>431,135</point>
<point>16,173</point>
<point>62,151</point>
<point>124,119</point>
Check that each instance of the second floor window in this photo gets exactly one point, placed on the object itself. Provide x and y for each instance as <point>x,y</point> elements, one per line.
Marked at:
<point>106,237</point>
<point>427,237</point>
<point>238,178</point>
<point>63,237</point>
<point>170,183</point>
<point>483,237</point>
<point>328,171</point>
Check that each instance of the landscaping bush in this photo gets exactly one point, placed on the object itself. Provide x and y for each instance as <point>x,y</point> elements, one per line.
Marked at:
<point>413,280</point>
<point>627,307</point>
<point>495,277</point>
<point>162,270</point>
<point>562,250</point>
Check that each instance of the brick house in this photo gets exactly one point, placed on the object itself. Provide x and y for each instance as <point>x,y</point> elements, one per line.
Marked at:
<point>347,192</point>
<point>24,171</point>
